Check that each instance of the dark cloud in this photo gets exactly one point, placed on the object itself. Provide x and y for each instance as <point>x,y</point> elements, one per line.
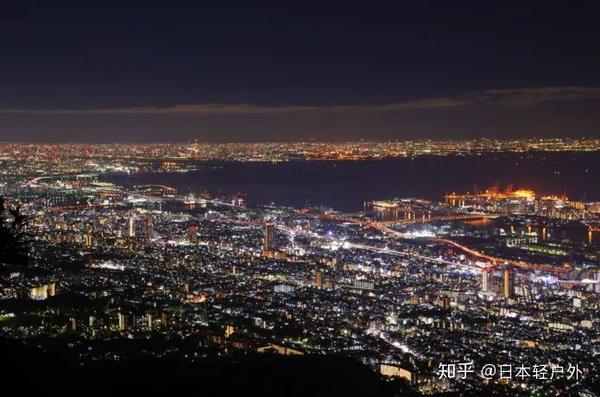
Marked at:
<point>510,97</point>
<point>535,96</point>
<point>546,111</point>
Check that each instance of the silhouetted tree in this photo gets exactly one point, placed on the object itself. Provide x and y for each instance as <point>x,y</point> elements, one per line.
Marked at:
<point>13,238</point>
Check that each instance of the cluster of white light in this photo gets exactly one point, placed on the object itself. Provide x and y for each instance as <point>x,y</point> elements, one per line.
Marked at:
<point>109,265</point>
<point>420,233</point>
<point>544,279</point>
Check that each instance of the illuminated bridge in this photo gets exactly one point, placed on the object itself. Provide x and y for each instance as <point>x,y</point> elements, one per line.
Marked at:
<point>441,218</point>
<point>492,260</point>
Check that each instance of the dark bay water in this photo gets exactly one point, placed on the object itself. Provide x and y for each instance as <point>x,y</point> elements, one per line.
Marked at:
<point>345,185</point>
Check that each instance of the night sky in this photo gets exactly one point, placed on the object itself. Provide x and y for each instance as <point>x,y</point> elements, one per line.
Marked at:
<point>226,71</point>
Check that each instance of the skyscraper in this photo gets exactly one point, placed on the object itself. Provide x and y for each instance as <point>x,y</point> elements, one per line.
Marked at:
<point>149,320</point>
<point>122,322</point>
<point>88,240</point>
<point>131,227</point>
<point>485,281</point>
<point>73,324</point>
<point>508,283</point>
<point>269,232</point>
<point>192,234</point>
<point>445,302</point>
<point>319,278</point>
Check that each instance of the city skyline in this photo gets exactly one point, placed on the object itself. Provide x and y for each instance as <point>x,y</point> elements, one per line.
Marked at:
<point>386,257</point>
<point>338,199</point>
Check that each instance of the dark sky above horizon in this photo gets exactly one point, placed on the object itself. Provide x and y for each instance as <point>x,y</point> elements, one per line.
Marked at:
<point>223,71</point>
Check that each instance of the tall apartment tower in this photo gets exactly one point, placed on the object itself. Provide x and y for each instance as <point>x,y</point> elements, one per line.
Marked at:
<point>319,278</point>
<point>485,281</point>
<point>508,283</point>
<point>131,227</point>
<point>268,235</point>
